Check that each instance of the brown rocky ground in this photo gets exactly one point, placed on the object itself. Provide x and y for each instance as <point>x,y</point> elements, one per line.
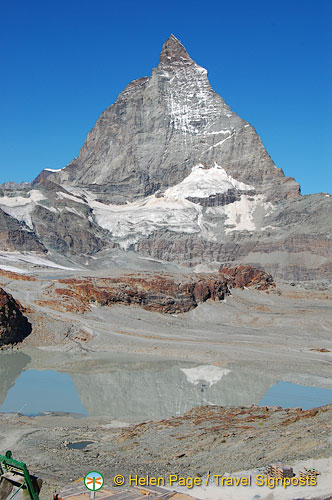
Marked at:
<point>212,438</point>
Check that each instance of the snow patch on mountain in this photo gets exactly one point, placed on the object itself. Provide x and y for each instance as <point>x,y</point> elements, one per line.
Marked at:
<point>72,197</point>
<point>204,182</point>
<point>241,213</point>
<point>72,211</point>
<point>20,207</point>
<point>12,269</point>
<point>219,143</point>
<point>31,258</point>
<point>53,169</point>
<point>193,106</point>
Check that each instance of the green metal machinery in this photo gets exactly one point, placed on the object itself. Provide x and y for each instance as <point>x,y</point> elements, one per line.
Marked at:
<point>15,478</point>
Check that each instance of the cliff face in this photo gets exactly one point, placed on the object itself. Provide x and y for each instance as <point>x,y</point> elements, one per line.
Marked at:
<point>14,326</point>
<point>170,172</point>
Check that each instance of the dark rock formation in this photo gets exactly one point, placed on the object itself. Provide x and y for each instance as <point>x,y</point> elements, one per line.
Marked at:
<point>218,199</point>
<point>14,326</point>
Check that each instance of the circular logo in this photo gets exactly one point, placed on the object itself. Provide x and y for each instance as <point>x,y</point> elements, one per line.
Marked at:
<point>94,481</point>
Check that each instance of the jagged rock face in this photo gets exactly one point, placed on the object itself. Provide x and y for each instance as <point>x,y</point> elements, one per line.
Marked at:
<point>50,214</point>
<point>14,326</point>
<point>160,128</point>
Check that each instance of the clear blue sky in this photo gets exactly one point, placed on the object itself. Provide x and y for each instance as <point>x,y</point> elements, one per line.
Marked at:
<point>64,62</point>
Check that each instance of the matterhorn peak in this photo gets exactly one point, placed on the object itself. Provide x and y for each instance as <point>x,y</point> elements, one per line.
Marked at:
<point>171,172</point>
<point>173,52</point>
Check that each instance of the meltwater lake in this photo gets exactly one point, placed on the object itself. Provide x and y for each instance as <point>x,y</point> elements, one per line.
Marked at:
<point>135,387</point>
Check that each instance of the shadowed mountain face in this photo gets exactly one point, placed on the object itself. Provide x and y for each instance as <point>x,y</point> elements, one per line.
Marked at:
<point>170,172</point>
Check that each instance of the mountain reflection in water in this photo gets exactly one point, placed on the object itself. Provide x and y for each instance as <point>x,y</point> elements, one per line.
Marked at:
<point>128,388</point>
<point>136,387</point>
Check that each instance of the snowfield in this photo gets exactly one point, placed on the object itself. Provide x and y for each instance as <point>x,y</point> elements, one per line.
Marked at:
<point>133,221</point>
<point>28,258</point>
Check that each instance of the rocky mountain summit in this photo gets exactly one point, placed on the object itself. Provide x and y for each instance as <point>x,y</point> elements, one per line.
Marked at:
<point>171,173</point>
<point>160,128</point>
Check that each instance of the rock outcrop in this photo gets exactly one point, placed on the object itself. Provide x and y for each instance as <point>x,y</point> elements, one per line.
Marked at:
<point>246,277</point>
<point>14,326</point>
<point>162,294</point>
<point>158,293</point>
